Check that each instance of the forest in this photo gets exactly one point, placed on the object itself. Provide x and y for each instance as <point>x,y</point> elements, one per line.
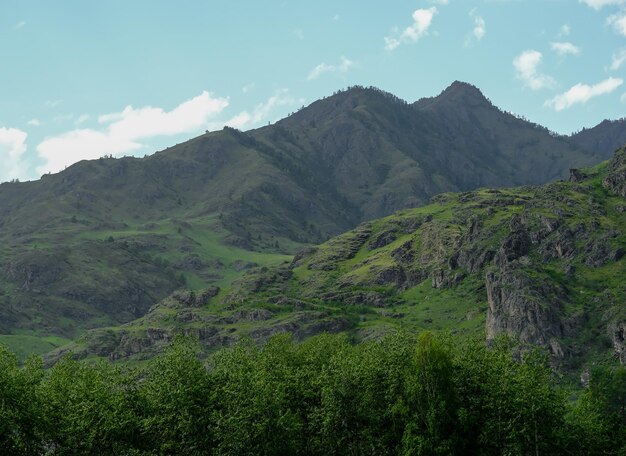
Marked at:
<point>405,394</point>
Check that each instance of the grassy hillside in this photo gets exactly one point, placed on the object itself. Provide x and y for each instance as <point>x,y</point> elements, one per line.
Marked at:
<point>542,264</point>
<point>101,242</point>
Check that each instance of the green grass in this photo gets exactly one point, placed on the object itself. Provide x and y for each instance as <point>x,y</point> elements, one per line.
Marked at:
<point>25,345</point>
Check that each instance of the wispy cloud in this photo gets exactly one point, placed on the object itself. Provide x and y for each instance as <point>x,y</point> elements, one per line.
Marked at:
<point>320,70</point>
<point>82,119</point>
<point>564,48</point>
<point>34,122</point>
<point>618,60</point>
<point>19,25</point>
<point>261,113</point>
<point>618,21</point>
<point>12,149</point>
<point>565,30</point>
<point>342,68</point>
<point>597,4</point>
<point>422,20</point>
<point>123,131</point>
<point>53,103</point>
<point>526,67</point>
<point>479,30</point>
<point>582,93</point>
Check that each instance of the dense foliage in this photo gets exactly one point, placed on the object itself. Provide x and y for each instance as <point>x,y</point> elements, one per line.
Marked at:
<point>401,395</point>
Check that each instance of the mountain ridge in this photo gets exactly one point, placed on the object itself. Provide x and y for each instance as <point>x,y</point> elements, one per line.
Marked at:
<point>121,234</point>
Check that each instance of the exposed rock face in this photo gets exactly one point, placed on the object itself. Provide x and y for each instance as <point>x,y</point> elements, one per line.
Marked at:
<point>474,259</point>
<point>615,180</point>
<point>189,298</point>
<point>518,305</point>
<point>301,255</point>
<point>521,309</point>
<point>618,337</point>
<point>576,175</point>
<point>442,278</point>
<point>516,244</point>
<point>383,239</point>
<point>34,272</point>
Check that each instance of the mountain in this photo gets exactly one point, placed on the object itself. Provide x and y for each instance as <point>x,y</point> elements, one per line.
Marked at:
<point>542,264</point>
<point>101,242</point>
<point>607,135</point>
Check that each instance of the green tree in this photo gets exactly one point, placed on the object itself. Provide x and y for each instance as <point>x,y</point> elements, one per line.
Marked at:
<point>21,420</point>
<point>432,399</point>
<point>90,409</point>
<point>176,400</point>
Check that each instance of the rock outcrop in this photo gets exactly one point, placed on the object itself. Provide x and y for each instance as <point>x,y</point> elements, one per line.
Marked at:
<point>519,308</point>
<point>615,180</point>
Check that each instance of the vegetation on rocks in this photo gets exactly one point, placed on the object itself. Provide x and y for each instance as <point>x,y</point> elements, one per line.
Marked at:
<point>540,264</point>
<point>103,241</point>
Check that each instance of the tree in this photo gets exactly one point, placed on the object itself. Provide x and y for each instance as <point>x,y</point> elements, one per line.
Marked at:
<point>21,420</point>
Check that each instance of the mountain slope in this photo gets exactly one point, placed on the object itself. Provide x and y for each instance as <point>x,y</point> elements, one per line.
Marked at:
<point>102,241</point>
<point>542,264</point>
<point>607,135</point>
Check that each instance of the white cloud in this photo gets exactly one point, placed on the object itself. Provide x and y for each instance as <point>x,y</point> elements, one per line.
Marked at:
<point>618,60</point>
<point>564,48</point>
<point>479,28</point>
<point>526,66</point>
<point>19,25</point>
<point>336,17</point>
<point>391,43</point>
<point>440,2</point>
<point>343,67</point>
<point>248,87</point>
<point>597,4</point>
<point>125,130</point>
<point>345,64</point>
<point>85,144</point>
<point>320,70</point>
<point>12,148</point>
<point>82,119</point>
<point>565,30</point>
<point>623,98</point>
<point>260,113</point>
<point>299,33</point>
<point>582,93</point>
<point>618,21</point>
<point>422,20</point>
<point>34,122</point>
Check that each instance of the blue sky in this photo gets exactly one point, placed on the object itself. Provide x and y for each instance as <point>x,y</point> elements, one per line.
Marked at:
<point>83,79</point>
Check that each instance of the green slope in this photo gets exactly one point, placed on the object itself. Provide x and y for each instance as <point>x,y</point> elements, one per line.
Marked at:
<point>543,264</point>
<point>101,242</point>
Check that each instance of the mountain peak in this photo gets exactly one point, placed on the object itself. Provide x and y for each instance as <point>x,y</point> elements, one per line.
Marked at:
<point>457,93</point>
<point>463,88</point>
<point>342,101</point>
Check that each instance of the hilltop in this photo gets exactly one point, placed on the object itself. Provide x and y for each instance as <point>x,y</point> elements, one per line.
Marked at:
<point>101,242</point>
